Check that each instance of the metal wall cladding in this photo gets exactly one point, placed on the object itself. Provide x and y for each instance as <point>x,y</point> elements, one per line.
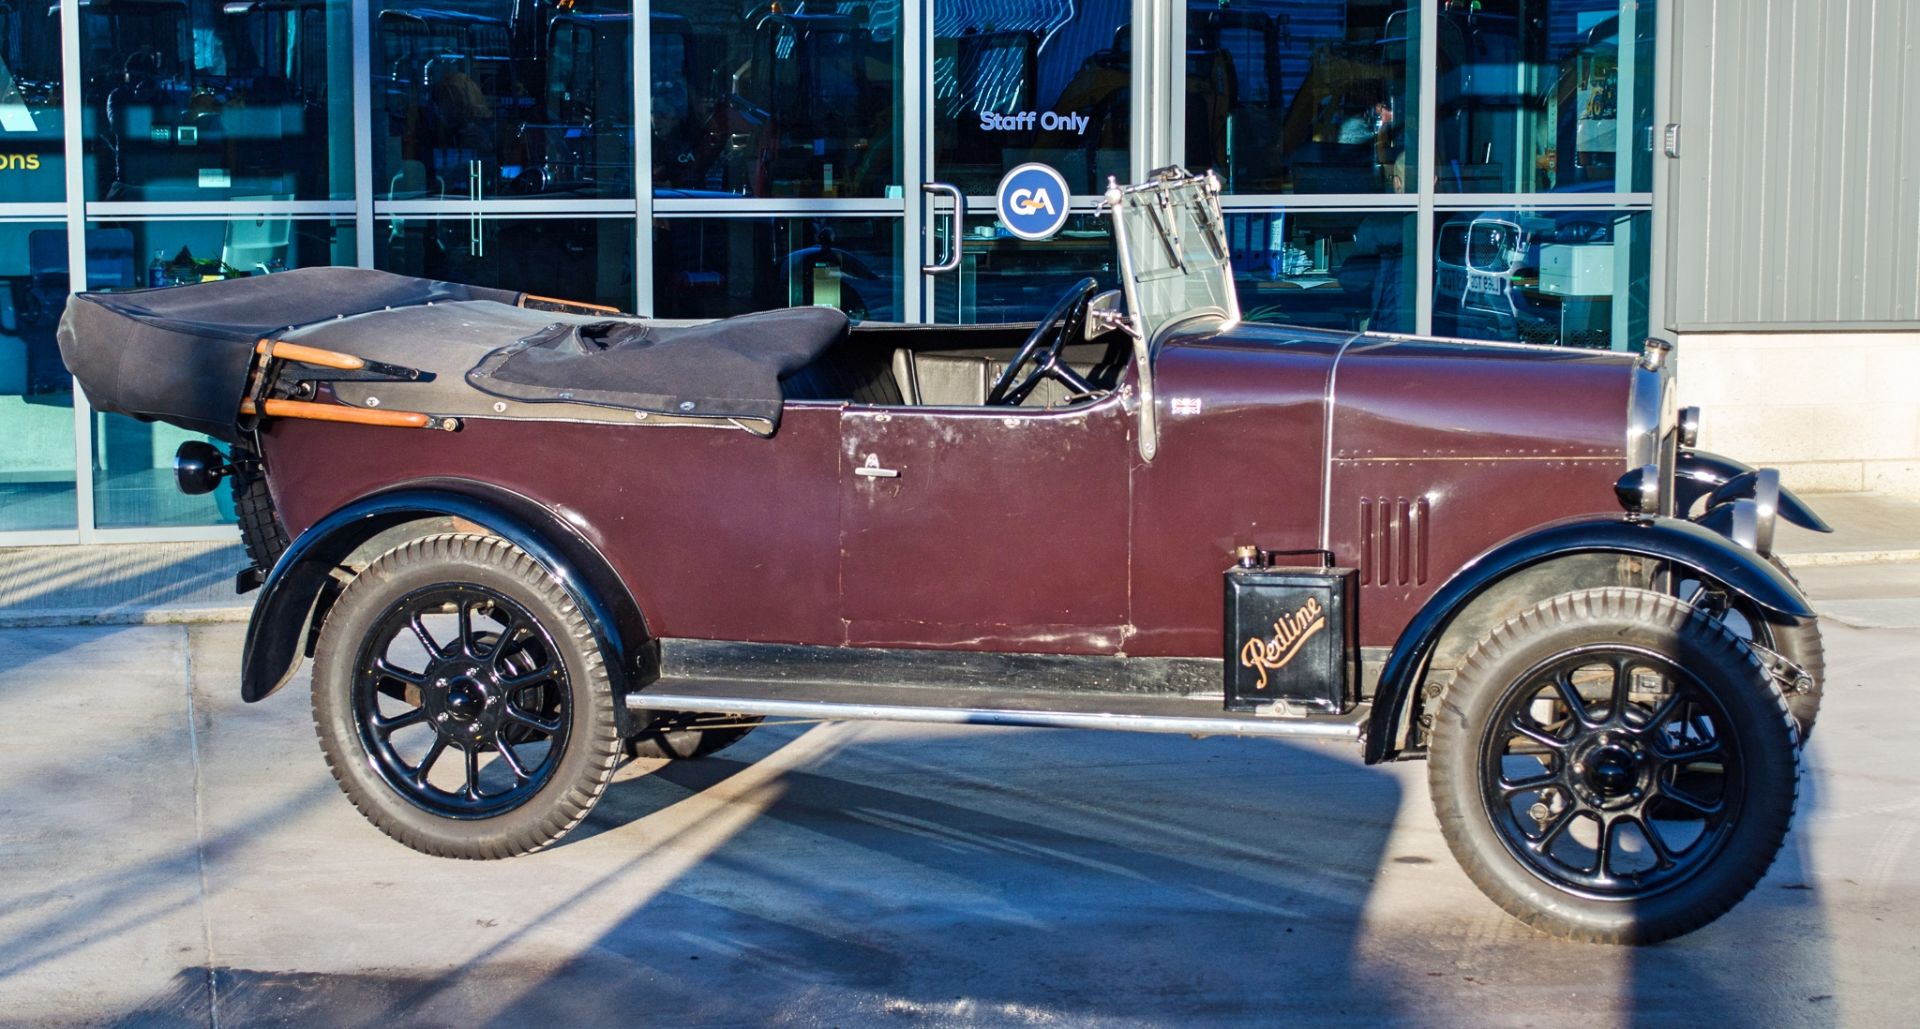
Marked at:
<point>1795,199</point>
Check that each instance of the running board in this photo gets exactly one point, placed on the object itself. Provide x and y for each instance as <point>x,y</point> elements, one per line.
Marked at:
<point>830,701</point>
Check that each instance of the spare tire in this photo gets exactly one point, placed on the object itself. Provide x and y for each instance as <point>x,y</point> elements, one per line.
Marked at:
<point>261,531</point>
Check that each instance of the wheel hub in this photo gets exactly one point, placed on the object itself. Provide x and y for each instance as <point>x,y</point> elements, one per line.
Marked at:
<point>466,701</point>
<point>1611,768</point>
<point>1612,771</point>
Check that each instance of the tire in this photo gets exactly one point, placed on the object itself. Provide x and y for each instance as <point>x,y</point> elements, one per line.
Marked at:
<point>667,740</point>
<point>519,676</point>
<point>1801,644</point>
<point>261,531</point>
<point>1798,642</point>
<point>1647,769</point>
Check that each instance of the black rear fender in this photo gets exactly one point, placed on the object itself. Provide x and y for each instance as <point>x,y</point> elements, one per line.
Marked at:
<point>297,594</point>
<point>1668,540</point>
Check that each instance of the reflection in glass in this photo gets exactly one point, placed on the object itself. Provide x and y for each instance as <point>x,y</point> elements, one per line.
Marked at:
<point>1565,278</point>
<point>133,460</point>
<point>137,254</point>
<point>32,159</point>
<point>715,267</point>
<point>572,257</point>
<point>496,98</point>
<point>1002,278</point>
<point>1545,95</point>
<point>1350,270</point>
<point>1047,82</point>
<point>36,394</point>
<point>779,100</point>
<point>244,100</point>
<point>1288,96</point>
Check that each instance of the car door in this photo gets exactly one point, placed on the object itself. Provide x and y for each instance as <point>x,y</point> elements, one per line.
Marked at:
<point>986,528</point>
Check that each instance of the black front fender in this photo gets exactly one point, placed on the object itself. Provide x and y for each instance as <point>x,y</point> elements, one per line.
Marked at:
<point>1699,473</point>
<point>1683,543</point>
<point>293,599</point>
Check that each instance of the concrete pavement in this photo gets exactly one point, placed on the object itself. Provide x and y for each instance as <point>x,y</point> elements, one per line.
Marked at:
<point>176,857</point>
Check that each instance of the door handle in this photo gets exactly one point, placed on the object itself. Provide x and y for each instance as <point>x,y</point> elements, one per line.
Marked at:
<point>872,470</point>
<point>956,238</point>
<point>476,241</point>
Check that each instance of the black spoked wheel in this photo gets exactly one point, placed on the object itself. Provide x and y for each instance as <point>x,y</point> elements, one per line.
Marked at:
<point>1614,766</point>
<point>1607,769</point>
<point>461,699</point>
<point>482,690</point>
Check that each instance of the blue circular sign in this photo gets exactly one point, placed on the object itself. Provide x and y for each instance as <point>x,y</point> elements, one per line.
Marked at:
<point>1032,201</point>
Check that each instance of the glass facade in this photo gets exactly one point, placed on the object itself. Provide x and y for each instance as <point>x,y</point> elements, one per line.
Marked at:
<point>1468,167</point>
<point>1303,97</point>
<point>1002,278</point>
<point>1332,269</point>
<point>190,100</point>
<point>1562,278</point>
<point>37,488</point>
<point>712,267</point>
<point>1544,96</point>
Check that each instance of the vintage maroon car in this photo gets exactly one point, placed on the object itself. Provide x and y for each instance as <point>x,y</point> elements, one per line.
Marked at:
<point>522,539</point>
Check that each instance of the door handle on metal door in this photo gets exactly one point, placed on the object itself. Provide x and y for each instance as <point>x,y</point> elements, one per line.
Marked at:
<point>872,470</point>
<point>956,238</point>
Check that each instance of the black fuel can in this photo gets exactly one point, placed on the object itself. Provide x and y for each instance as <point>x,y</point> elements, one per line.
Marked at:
<point>1290,639</point>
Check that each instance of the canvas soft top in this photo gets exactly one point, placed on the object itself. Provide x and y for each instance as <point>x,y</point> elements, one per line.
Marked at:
<point>182,354</point>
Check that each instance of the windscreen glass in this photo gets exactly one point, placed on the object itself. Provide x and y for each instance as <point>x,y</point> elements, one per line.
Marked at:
<point>1174,251</point>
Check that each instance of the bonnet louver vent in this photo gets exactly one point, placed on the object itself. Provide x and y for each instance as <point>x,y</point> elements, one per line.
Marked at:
<point>1393,541</point>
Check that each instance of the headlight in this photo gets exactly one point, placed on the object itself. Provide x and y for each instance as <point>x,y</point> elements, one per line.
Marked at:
<point>1689,427</point>
<point>1639,490</point>
<point>1745,509</point>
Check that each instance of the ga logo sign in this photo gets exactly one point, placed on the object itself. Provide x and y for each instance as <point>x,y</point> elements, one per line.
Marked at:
<point>1032,201</point>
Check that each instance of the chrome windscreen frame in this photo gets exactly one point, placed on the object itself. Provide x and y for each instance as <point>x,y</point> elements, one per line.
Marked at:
<point>1174,267</point>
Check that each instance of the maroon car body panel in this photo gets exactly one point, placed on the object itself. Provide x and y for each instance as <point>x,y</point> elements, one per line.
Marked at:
<point>1019,529</point>
<point>1241,453</point>
<point>717,533</point>
<point>1437,456</point>
<point>1005,529</point>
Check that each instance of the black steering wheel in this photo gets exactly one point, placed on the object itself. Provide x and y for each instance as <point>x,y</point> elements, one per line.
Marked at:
<point>1051,334</point>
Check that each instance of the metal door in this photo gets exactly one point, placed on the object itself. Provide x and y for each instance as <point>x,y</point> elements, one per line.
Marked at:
<point>986,528</point>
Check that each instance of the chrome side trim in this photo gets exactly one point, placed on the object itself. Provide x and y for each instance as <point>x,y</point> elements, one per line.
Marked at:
<point>1326,444</point>
<point>1347,729</point>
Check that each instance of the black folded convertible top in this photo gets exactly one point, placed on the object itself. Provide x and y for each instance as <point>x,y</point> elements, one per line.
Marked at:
<point>180,354</point>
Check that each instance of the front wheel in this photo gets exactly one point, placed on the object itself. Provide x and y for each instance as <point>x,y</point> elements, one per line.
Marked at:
<point>1614,766</point>
<point>461,699</point>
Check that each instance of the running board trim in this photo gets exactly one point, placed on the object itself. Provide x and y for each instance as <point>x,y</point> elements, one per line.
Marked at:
<point>1347,728</point>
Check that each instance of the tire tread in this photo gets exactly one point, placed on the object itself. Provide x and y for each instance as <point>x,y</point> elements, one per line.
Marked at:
<point>602,741</point>
<point>1596,605</point>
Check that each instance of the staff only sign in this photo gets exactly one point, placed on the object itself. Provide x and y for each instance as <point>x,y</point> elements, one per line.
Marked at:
<point>1032,201</point>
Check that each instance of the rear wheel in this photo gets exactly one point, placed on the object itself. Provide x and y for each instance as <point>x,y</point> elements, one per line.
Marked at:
<point>461,699</point>
<point>1614,766</point>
